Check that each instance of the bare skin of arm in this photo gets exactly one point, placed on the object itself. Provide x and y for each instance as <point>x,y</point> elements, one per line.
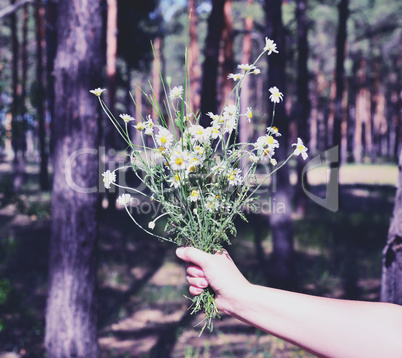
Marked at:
<point>323,326</point>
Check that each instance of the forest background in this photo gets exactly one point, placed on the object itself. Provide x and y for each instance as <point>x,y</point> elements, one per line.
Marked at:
<point>339,67</point>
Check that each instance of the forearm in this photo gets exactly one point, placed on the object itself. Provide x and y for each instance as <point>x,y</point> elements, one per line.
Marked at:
<point>325,327</point>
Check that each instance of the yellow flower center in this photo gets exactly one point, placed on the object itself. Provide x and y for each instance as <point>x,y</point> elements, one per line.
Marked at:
<point>270,139</point>
<point>176,177</point>
<point>200,131</point>
<point>231,177</point>
<point>194,193</point>
<point>163,139</point>
<point>162,150</point>
<point>179,161</point>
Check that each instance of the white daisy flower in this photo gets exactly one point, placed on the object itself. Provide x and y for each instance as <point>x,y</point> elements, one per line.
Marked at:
<point>98,91</point>
<point>275,96</point>
<point>249,114</point>
<point>124,200</point>
<point>214,132</point>
<point>300,149</point>
<point>109,178</point>
<point>266,141</point>
<point>253,158</point>
<point>273,131</point>
<point>270,46</point>
<point>214,117</point>
<point>267,154</point>
<point>230,124</point>
<point>140,126</point>
<point>164,138</point>
<point>194,196</point>
<point>230,111</point>
<point>126,117</point>
<point>175,180</point>
<point>176,92</point>
<point>199,133</point>
<point>234,177</point>
<point>246,67</point>
<point>235,76</point>
<point>178,160</point>
<point>149,126</point>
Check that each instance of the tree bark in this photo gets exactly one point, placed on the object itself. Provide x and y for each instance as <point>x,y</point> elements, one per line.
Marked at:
<point>193,59</point>
<point>302,105</point>
<point>282,268</point>
<point>227,53</point>
<point>391,283</point>
<point>71,310</point>
<point>24,53</point>
<point>343,11</point>
<point>51,46</point>
<point>245,131</point>
<point>40,39</point>
<point>210,67</point>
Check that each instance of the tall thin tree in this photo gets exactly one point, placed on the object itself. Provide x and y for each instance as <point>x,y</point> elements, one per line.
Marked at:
<point>302,105</point>
<point>283,269</point>
<point>71,310</point>
<point>227,51</point>
<point>193,58</point>
<point>211,61</point>
<point>391,283</point>
<point>343,14</point>
<point>40,96</point>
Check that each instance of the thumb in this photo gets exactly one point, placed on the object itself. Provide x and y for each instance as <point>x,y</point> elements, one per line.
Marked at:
<point>193,255</point>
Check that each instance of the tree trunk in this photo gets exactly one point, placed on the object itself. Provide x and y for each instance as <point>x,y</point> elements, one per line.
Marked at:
<point>15,51</point>
<point>302,105</point>
<point>51,45</point>
<point>107,131</point>
<point>227,54</point>
<point>283,269</point>
<point>245,131</point>
<point>40,39</point>
<point>341,35</point>
<point>24,53</point>
<point>193,59</point>
<point>71,310</point>
<point>211,62</point>
<point>391,283</point>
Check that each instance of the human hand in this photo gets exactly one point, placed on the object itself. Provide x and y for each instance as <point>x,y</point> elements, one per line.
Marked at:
<point>217,271</point>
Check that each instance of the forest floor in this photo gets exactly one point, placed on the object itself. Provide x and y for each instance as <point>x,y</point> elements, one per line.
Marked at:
<point>142,305</point>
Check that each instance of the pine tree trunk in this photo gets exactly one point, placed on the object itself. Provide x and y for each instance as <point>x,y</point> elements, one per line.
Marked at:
<point>343,11</point>
<point>391,283</point>
<point>24,53</point>
<point>51,45</point>
<point>71,310</point>
<point>245,131</point>
<point>210,67</point>
<point>40,39</point>
<point>193,59</point>
<point>302,106</point>
<point>282,268</point>
<point>227,61</point>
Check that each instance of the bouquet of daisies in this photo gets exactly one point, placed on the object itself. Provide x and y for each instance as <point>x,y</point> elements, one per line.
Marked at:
<point>202,177</point>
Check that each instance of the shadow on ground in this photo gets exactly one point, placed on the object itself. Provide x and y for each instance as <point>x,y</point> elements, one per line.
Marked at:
<point>142,310</point>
